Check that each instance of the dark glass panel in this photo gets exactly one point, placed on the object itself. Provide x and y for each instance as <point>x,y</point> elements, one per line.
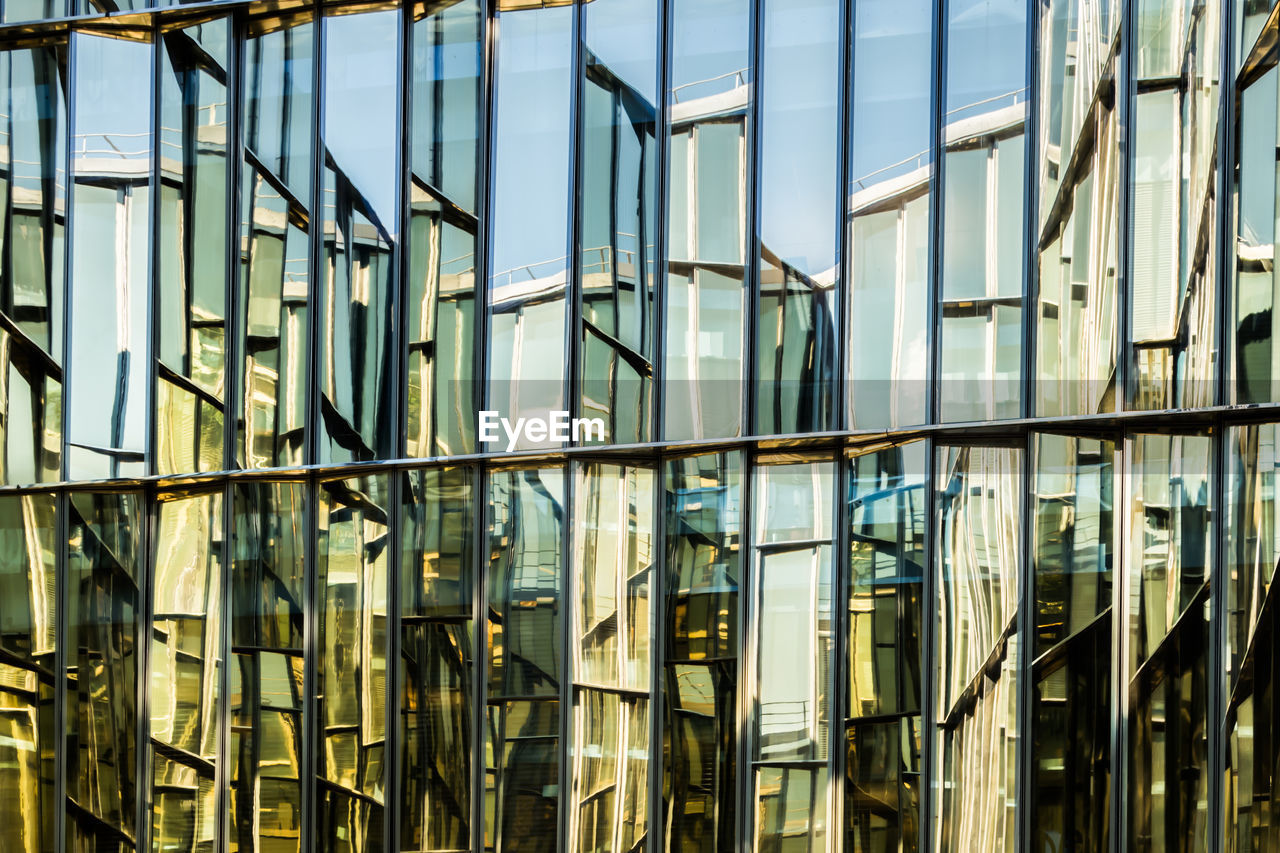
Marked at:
<point>979,569</point>
<point>708,186</point>
<point>267,646</point>
<point>442,392</point>
<point>104,570</point>
<point>351,669</point>
<point>437,660</point>
<point>887,212</point>
<point>191,297</point>
<point>1170,553</point>
<point>186,666</point>
<point>361,227</point>
<point>525,659</point>
<point>618,216</point>
<point>799,187</point>
<point>1073,547</point>
<point>28,636</point>
<point>887,518</point>
<point>33,186</point>
<point>110,251</point>
<point>703,539</point>
<point>529,237</point>
<point>1079,157</point>
<point>271,346</point>
<point>612,584</point>
<point>983,210</point>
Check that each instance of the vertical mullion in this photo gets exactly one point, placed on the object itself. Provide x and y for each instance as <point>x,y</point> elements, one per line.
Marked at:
<point>153,259</point>
<point>656,840</point>
<point>315,264</point>
<point>844,151</point>
<point>662,200</point>
<point>222,770</point>
<point>484,208</point>
<point>1119,715</point>
<point>306,762</point>
<point>392,788</point>
<point>479,612</point>
<point>751,237</point>
<point>67,259</point>
<point>566,651</point>
<point>142,752</point>
<point>235,159</point>
<point>937,145</point>
<point>1125,96</point>
<point>746,632</point>
<point>61,633</point>
<point>1025,828</point>
<point>1218,660</point>
<point>927,680</point>
<point>840,588</point>
<point>573,268</point>
<point>1031,220</point>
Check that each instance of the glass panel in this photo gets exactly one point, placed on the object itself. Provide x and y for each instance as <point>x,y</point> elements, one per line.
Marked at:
<point>618,215</point>
<point>887,518</point>
<point>351,666</point>
<point>191,298</point>
<point>530,234</point>
<point>267,646</point>
<point>799,165</point>
<point>703,538</point>
<point>707,202</point>
<point>525,660</point>
<point>887,212</point>
<point>791,810</point>
<point>33,186</point>
<point>104,569</point>
<point>1255,361</point>
<point>1073,551</point>
<point>612,580</point>
<point>983,209</point>
<point>437,660</point>
<point>442,394</point>
<point>186,667</point>
<point>272,335</point>
<point>31,10</point>
<point>28,636</point>
<point>979,571</point>
<point>1169,555</point>
<point>1079,195</point>
<point>1253,716</point>
<point>110,251</point>
<point>361,226</point>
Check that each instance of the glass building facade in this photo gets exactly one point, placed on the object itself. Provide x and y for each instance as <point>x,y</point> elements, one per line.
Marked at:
<point>933,499</point>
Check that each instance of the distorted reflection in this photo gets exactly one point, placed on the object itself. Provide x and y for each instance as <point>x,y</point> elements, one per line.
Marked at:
<point>186,663</point>
<point>28,635</point>
<point>267,649</point>
<point>529,237</point>
<point>799,189</point>
<point>271,345</point>
<point>351,671</point>
<point>1252,549</point>
<point>1170,553</point>
<point>1078,229</point>
<point>191,287</point>
<point>887,212</point>
<point>104,572</point>
<point>361,225</point>
<point>612,583</point>
<point>983,209</point>
<point>707,189</point>
<point>794,651</point>
<point>444,217</point>
<point>525,660</point>
<point>887,518</point>
<point>979,560</point>
<point>619,216</point>
<point>110,250</point>
<point>1175,128</point>
<point>33,186</point>
<point>702,498</point>
<point>437,660</point>
<point>1072,554</point>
